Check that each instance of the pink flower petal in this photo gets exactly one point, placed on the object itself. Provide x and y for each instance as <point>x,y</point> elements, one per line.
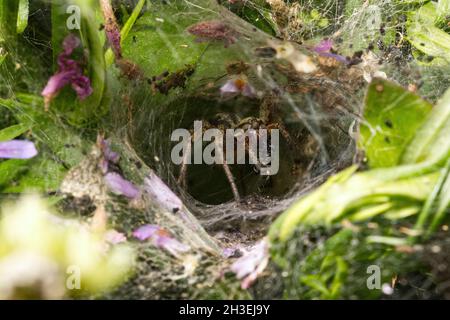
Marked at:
<point>82,86</point>
<point>113,36</point>
<point>70,43</point>
<point>146,231</point>
<point>170,244</point>
<point>324,49</point>
<point>252,264</point>
<point>336,56</point>
<point>69,72</point>
<point>238,85</point>
<point>228,252</point>
<point>115,237</point>
<point>324,46</point>
<point>119,185</point>
<point>154,186</point>
<point>160,238</point>
<point>17,149</point>
<point>57,82</point>
<point>248,91</point>
<point>229,87</point>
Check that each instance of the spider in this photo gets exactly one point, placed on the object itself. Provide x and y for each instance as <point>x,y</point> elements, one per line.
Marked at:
<point>268,119</point>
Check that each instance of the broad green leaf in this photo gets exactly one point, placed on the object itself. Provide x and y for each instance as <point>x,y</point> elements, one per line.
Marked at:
<point>443,8</point>
<point>426,14</point>
<point>411,1</point>
<point>368,213</point>
<point>286,223</point>
<point>398,214</point>
<point>430,40</point>
<point>391,117</point>
<point>22,16</point>
<point>431,139</point>
<point>13,131</point>
<point>159,42</point>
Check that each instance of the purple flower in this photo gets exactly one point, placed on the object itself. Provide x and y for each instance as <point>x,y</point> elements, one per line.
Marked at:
<point>162,193</point>
<point>17,149</point>
<point>114,237</point>
<point>238,85</point>
<point>252,264</point>
<point>146,231</point>
<point>69,72</point>
<point>119,185</point>
<point>324,48</point>
<point>112,29</point>
<point>170,244</point>
<point>109,156</point>
<point>228,252</point>
<point>337,57</point>
<point>69,44</point>
<point>113,36</point>
<point>160,238</point>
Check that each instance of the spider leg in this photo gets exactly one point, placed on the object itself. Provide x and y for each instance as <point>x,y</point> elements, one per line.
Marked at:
<point>184,165</point>
<point>228,174</point>
<point>253,156</point>
<point>183,170</point>
<point>286,135</point>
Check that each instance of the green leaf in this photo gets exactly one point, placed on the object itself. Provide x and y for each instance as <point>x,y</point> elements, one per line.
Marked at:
<point>109,56</point>
<point>159,41</point>
<point>443,8</point>
<point>372,211</point>
<point>431,139</point>
<point>59,148</point>
<point>132,19</point>
<point>22,16</point>
<point>9,169</point>
<point>44,174</point>
<point>13,131</point>
<point>429,206</point>
<point>286,223</point>
<point>314,282</point>
<point>391,241</point>
<point>426,14</point>
<point>443,204</point>
<point>430,40</point>
<point>92,108</point>
<point>391,117</point>
<point>8,19</point>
